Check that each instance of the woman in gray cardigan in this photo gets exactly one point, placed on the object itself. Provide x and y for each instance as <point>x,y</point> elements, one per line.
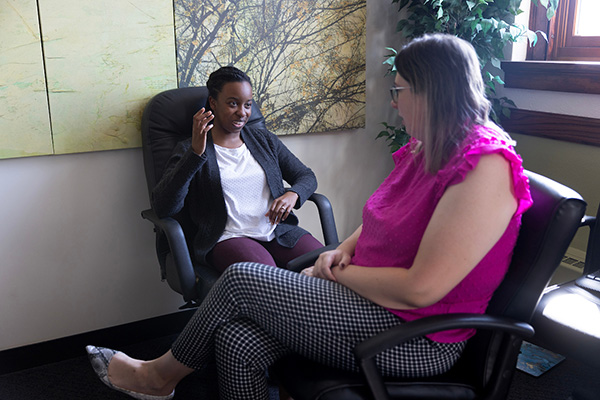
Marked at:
<point>230,179</point>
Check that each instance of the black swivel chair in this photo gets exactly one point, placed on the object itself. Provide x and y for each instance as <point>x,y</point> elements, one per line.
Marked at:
<point>486,367</point>
<point>167,120</point>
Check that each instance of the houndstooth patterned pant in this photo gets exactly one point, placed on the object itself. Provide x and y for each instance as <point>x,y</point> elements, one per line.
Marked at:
<point>255,314</point>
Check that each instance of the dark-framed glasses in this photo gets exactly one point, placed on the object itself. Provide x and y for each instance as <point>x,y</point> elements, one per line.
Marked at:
<point>394,90</point>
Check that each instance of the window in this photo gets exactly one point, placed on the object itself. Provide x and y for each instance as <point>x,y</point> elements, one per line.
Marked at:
<point>570,61</point>
<point>573,33</point>
<point>545,70</point>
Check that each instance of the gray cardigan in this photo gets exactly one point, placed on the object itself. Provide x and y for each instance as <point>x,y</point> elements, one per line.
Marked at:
<point>192,184</point>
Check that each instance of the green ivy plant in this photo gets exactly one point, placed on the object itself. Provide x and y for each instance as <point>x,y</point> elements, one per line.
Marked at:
<point>395,136</point>
<point>487,24</point>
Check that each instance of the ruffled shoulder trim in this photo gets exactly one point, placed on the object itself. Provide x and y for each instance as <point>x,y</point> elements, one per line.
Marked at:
<point>487,140</point>
<point>405,150</point>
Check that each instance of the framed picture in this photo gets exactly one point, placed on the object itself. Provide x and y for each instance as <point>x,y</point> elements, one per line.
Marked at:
<point>306,58</point>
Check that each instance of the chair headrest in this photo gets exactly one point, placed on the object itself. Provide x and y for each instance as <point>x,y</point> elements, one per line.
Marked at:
<point>167,120</point>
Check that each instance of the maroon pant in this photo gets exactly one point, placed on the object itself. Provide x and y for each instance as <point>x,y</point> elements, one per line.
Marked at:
<point>271,253</point>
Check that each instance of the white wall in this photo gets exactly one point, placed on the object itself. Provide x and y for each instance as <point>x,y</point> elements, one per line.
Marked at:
<point>75,253</point>
<point>76,256</point>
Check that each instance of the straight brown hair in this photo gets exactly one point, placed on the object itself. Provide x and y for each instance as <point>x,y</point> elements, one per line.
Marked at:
<point>445,71</point>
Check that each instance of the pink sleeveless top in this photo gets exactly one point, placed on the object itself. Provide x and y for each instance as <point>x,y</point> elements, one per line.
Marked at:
<point>396,215</point>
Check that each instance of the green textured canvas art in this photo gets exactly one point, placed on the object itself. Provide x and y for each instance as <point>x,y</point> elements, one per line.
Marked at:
<point>76,74</point>
<point>24,113</point>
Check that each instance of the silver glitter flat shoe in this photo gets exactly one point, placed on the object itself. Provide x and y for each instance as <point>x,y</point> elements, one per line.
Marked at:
<point>100,358</point>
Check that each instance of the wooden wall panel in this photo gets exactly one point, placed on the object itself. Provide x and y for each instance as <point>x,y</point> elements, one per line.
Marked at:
<point>568,128</point>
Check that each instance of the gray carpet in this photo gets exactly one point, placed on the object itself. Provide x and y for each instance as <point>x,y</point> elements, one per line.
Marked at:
<point>569,380</point>
<point>74,380</point>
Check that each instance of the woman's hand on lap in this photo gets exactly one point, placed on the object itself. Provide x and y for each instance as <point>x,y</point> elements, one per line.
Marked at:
<point>281,207</point>
<point>329,260</point>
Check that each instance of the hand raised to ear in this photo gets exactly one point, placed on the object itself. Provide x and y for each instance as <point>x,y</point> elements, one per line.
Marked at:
<point>201,126</point>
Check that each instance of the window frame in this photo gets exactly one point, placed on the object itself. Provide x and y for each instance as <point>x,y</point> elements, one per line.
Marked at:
<point>560,76</point>
<point>539,74</point>
<point>562,44</point>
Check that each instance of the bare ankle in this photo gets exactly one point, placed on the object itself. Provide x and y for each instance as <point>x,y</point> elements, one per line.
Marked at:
<point>155,380</point>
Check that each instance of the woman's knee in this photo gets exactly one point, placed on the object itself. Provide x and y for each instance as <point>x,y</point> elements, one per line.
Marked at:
<point>244,272</point>
<point>250,283</point>
<point>236,250</point>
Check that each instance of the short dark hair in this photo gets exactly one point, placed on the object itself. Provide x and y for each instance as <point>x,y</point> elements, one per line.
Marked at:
<point>224,75</point>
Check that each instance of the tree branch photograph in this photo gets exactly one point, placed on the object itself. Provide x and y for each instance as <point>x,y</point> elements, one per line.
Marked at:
<point>306,58</point>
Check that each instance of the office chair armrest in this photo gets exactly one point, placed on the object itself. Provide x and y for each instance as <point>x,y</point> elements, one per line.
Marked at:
<point>592,251</point>
<point>437,323</point>
<point>366,351</point>
<point>186,276</point>
<point>308,259</point>
<point>588,220</point>
<point>326,217</point>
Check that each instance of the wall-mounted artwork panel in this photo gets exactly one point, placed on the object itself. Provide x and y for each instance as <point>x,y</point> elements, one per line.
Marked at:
<point>104,60</point>
<point>76,74</point>
<point>24,116</point>
<point>306,57</point>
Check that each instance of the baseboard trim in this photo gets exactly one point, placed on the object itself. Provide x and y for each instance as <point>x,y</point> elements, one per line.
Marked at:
<point>35,355</point>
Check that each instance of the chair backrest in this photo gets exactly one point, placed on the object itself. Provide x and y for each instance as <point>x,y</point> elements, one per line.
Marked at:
<point>167,120</point>
<point>546,232</point>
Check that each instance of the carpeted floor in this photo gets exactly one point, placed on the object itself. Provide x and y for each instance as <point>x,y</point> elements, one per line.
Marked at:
<point>569,380</point>
<point>74,380</point>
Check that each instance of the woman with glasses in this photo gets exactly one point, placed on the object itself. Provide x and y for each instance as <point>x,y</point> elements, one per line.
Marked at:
<point>231,177</point>
<point>421,250</point>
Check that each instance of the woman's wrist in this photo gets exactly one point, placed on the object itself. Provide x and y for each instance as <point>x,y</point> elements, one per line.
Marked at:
<point>293,193</point>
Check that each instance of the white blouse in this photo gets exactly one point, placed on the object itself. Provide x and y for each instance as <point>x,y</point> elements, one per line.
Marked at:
<point>247,195</point>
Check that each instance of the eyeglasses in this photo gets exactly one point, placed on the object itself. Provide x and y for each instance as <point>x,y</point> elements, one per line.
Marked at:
<point>394,90</point>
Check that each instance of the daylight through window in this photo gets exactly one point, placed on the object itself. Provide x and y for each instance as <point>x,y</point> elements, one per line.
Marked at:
<point>586,23</point>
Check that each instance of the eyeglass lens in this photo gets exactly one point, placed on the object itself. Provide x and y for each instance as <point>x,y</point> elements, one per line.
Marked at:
<point>394,90</point>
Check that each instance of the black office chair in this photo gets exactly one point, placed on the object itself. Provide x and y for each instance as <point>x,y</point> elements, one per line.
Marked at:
<point>567,319</point>
<point>166,121</point>
<point>485,369</point>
